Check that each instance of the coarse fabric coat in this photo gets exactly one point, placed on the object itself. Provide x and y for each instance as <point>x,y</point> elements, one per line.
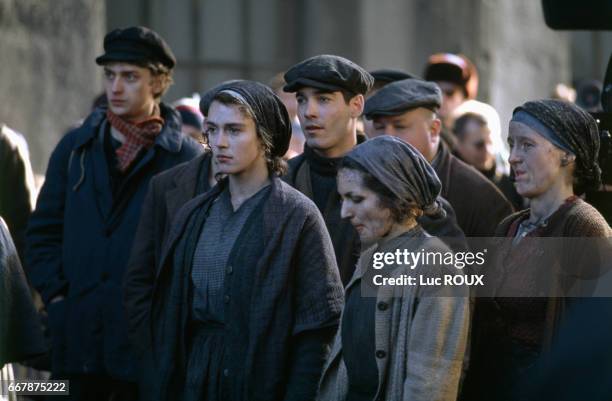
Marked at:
<point>21,334</point>
<point>292,288</point>
<point>478,204</point>
<point>344,237</point>
<point>499,322</point>
<point>421,335</point>
<point>168,192</point>
<point>79,239</point>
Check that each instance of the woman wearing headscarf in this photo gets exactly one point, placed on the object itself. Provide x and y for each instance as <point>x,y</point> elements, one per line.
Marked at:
<point>395,342</point>
<point>553,153</point>
<point>248,295</point>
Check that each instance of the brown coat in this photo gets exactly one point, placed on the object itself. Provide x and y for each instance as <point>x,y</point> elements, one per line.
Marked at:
<point>532,322</point>
<point>478,204</point>
<point>168,191</point>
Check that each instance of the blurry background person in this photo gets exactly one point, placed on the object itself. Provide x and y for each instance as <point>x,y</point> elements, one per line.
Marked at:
<point>479,143</point>
<point>21,335</point>
<point>588,95</point>
<point>193,120</point>
<point>457,77</point>
<point>394,344</point>
<point>553,153</point>
<point>296,146</point>
<point>248,294</point>
<point>17,187</point>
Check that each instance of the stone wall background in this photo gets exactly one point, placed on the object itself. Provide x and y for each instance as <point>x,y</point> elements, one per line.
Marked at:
<point>48,76</point>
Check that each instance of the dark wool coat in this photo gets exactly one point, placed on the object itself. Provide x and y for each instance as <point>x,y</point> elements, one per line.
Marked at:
<point>20,330</point>
<point>79,239</point>
<point>292,288</point>
<point>494,327</point>
<point>344,237</point>
<point>168,192</point>
<point>478,204</point>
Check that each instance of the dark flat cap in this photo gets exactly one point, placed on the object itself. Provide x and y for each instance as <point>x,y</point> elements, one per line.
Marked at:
<point>136,44</point>
<point>328,72</point>
<point>401,96</point>
<point>388,75</point>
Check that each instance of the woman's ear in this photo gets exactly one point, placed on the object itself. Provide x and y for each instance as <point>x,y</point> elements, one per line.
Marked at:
<point>567,159</point>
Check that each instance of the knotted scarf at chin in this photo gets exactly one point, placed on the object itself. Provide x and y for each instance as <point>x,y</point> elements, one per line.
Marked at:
<point>138,136</point>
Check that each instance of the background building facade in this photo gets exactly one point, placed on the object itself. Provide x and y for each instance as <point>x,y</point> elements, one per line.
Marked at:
<point>49,78</point>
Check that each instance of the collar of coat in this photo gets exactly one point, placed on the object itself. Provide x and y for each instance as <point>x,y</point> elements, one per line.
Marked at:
<point>170,138</point>
<point>277,201</point>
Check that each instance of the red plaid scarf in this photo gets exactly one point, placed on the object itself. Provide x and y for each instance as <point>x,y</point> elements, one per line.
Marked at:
<point>137,136</point>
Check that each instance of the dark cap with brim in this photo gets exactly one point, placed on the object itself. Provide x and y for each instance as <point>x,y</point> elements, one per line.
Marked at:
<point>328,73</point>
<point>401,96</point>
<point>389,75</point>
<point>136,44</point>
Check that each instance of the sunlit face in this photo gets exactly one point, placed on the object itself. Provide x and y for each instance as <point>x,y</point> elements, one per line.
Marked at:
<point>536,162</point>
<point>452,97</point>
<point>327,120</point>
<point>418,127</point>
<point>362,207</point>
<point>232,136</point>
<point>130,90</point>
<point>476,146</point>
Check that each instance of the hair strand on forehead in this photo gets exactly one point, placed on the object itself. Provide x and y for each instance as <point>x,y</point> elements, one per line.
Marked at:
<point>276,165</point>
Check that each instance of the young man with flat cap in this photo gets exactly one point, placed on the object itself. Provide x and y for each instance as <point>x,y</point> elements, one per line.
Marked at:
<point>408,109</point>
<point>81,232</point>
<point>330,94</point>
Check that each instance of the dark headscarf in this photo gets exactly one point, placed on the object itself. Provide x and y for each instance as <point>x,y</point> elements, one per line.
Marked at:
<point>571,129</point>
<point>401,169</point>
<point>269,111</point>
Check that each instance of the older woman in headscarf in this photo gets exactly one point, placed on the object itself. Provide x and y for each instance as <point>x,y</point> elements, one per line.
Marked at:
<point>395,342</point>
<point>554,147</point>
<point>248,294</point>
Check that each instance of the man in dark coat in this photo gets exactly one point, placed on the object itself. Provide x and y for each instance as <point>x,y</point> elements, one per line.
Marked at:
<point>330,94</point>
<point>407,109</point>
<point>81,232</point>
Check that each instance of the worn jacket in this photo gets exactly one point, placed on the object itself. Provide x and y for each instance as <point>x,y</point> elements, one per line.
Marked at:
<point>420,335</point>
<point>532,321</point>
<point>479,205</point>
<point>79,239</point>
<point>20,330</point>
<point>168,192</point>
<point>291,289</point>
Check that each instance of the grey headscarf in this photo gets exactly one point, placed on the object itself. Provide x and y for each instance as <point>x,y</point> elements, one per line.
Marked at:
<point>270,112</point>
<point>401,169</point>
<point>569,128</point>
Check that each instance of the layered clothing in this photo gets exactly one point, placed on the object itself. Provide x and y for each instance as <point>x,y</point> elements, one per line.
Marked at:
<point>280,290</point>
<point>80,236</point>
